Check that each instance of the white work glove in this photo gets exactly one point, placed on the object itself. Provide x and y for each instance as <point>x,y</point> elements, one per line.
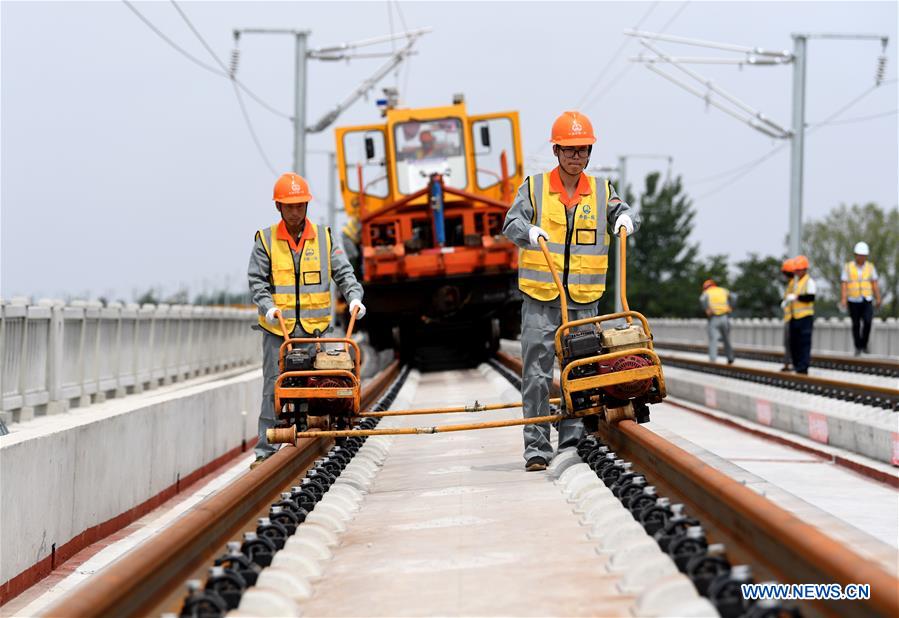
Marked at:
<point>790,298</point>
<point>626,222</point>
<point>357,303</point>
<point>536,232</point>
<point>271,316</point>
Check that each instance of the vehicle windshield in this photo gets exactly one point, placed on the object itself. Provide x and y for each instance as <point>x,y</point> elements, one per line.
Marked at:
<point>427,147</point>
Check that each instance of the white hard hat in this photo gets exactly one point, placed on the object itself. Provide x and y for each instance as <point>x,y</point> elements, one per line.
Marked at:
<point>861,248</point>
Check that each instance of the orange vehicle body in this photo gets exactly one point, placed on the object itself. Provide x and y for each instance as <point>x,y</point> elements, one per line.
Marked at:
<point>427,191</point>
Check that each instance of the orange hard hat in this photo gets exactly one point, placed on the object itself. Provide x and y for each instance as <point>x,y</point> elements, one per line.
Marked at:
<point>426,136</point>
<point>291,189</point>
<point>707,284</point>
<point>788,266</point>
<point>573,129</point>
<point>800,262</point>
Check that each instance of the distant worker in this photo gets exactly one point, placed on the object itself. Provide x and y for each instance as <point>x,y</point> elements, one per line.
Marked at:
<point>859,289</point>
<point>350,238</point>
<point>716,303</point>
<point>786,270</point>
<point>428,148</point>
<point>290,273</point>
<point>801,303</point>
<point>574,213</point>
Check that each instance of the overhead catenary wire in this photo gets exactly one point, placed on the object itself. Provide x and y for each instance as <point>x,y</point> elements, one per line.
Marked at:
<point>607,67</point>
<point>208,67</point>
<point>234,83</point>
<point>627,68</point>
<point>746,168</point>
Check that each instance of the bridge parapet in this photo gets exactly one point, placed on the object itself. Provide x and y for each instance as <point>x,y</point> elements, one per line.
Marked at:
<point>56,355</point>
<point>831,335</point>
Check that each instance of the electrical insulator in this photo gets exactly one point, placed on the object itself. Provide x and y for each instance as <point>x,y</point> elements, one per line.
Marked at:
<point>235,59</point>
<point>881,69</point>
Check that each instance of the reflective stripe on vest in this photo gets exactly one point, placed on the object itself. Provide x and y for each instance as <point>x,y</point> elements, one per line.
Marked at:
<point>799,309</point>
<point>788,308</point>
<point>313,282</point>
<point>717,297</point>
<point>859,284</point>
<point>585,246</point>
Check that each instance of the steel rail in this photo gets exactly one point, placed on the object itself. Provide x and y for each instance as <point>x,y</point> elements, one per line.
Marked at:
<point>874,366</point>
<point>138,581</point>
<point>869,394</point>
<point>794,550</point>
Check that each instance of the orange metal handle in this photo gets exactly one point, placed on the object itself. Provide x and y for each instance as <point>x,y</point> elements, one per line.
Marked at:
<point>552,269</point>
<point>283,328</point>
<point>349,328</point>
<point>622,268</point>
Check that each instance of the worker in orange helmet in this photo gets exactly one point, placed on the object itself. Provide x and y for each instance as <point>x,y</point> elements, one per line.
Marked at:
<point>801,303</point>
<point>786,270</point>
<point>575,213</point>
<point>717,304</point>
<point>290,272</point>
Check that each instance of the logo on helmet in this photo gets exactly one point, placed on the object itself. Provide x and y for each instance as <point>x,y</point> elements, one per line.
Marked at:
<point>576,126</point>
<point>295,187</point>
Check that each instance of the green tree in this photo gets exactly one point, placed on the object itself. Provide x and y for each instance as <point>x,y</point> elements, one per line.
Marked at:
<point>829,243</point>
<point>757,287</point>
<point>713,267</point>
<point>661,259</point>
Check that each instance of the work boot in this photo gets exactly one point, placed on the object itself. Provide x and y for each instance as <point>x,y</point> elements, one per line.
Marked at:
<point>535,464</point>
<point>730,361</point>
<point>858,352</point>
<point>786,368</point>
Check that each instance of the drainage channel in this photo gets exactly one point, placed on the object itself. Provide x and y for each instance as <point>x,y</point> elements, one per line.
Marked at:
<point>301,525</point>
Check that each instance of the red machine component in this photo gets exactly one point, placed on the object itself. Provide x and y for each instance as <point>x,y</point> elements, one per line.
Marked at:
<point>627,390</point>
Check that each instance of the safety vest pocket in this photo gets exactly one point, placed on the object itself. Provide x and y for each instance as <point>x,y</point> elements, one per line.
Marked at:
<point>585,237</point>
<point>312,278</point>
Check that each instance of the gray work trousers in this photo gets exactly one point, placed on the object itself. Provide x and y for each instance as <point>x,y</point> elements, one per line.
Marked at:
<point>788,355</point>
<point>539,322</point>
<point>720,325</point>
<point>271,347</point>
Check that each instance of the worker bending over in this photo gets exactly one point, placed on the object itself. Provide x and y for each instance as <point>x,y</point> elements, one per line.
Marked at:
<point>290,273</point>
<point>574,213</point>
<point>716,302</point>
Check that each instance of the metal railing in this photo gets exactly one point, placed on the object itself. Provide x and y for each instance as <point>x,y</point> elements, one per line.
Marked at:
<point>57,355</point>
<point>830,336</point>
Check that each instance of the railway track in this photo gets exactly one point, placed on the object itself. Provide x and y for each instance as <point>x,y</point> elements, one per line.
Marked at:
<point>149,580</point>
<point>872,366</point>
<point>776,543</point>
<point>867,394</point>
<point>753,529</point>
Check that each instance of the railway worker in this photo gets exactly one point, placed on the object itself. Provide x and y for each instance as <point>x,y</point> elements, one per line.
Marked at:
<point>786,270</point>
<point>801,302</point>
<point>574,213</point>
<point>290,272</point>
<point>716,302</point>
<point>861,294</point>
<point>350,237</point>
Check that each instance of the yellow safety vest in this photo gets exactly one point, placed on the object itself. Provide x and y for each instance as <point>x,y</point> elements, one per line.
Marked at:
<point>859,284</point>
<point>799,309</point>
<point>787,292</point>
<point>352,229</point>
<point>580,254</point>
<point>306,294</point>
<point>717,297</point>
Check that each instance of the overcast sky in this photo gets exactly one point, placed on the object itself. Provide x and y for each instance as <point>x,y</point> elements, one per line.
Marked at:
<point>126,166</point>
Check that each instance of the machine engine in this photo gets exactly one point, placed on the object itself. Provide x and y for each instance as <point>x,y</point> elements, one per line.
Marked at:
<point>595,342</point>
